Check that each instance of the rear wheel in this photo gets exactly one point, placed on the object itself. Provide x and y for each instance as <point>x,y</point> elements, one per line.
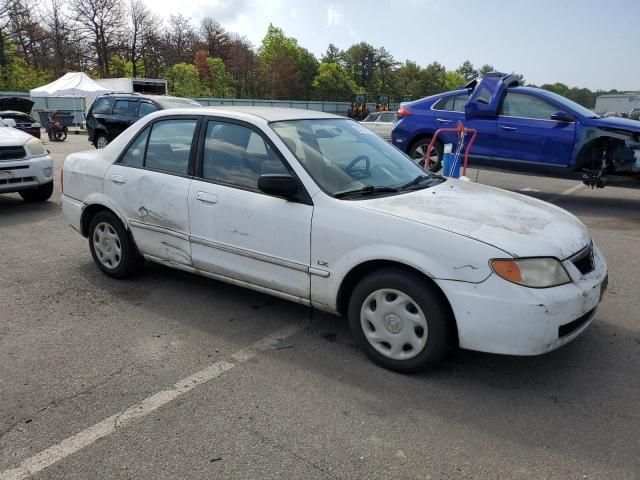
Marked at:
<point>39,194</point>
<point>60,135</point>
<point>400,320</point>
<point>418,152</point>
<point>111,246</point>
<point>101,141</point>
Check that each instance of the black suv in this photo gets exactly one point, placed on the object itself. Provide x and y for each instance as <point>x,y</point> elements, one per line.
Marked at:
<point>113,113</point>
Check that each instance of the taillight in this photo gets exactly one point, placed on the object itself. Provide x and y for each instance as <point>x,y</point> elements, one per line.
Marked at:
<point>62,179</point>
<point>404,112</point>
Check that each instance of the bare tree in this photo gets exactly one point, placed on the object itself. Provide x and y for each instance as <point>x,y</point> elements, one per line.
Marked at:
<point>214,37</point>
<point>101,21</point>
<point>59,31</point>
<point>180,40</point>
<point>142,27</point>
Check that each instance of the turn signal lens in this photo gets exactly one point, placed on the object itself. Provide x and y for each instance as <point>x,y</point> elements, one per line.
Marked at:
<point>507,269</point>
<point>542,272</point>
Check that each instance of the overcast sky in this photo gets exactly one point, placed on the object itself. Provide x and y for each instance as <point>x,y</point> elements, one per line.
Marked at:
<point>585,43</point>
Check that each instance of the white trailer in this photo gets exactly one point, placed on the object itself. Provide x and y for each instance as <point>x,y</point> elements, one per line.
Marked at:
<point>153,86</point>
<point>619,102</point>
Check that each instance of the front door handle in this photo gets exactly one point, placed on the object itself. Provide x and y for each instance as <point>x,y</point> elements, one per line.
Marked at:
<point>509,129</point>
<point>118,179</point>
<point>207,197</point>
<point>442,120</point>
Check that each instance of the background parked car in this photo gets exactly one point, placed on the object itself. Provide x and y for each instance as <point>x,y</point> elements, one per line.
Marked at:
<point>521,128</point>
<point>19,109</point>
<point>112,114</point>
<point>634,114</point>
<point>380,123</point>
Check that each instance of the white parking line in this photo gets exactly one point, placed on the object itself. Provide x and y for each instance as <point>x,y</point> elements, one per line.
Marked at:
<point>80,440</point>
<point>568,191</point>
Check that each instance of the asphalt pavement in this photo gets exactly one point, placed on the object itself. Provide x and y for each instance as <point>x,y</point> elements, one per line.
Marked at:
<point>173,376</point>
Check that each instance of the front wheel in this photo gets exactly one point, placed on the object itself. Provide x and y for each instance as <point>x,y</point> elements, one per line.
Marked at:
<point>400,320</point>
<point>60,135</point>
<point>111,246</point>
<point>101,141</point>
<point>38,194</point>
<point>419,151</point>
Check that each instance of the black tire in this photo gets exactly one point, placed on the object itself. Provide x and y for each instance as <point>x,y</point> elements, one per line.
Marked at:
<point>60,135</point>
<point>39,194</point>
<point>100,139</point>
<point>421,145</point>
<point>129,262</point>
<point>424,295</point>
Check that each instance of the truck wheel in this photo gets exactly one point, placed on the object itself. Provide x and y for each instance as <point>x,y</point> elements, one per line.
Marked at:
<point>111,246</point>
<point>419,150</point>
<point>38,194</point>
<point>101,141</point>
<point>399,320</point>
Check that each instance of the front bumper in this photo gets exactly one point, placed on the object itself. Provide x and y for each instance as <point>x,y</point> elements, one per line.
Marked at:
<point>497,316</point>
<point>25,174</point>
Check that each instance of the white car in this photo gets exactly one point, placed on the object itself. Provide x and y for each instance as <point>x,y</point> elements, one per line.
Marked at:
<point>317,209</point>
<point>25,165</point>
<point>380,123</point>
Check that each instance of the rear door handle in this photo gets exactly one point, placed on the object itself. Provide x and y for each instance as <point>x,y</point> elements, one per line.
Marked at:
<point>509,129</point>
<point>207,197</point>
<point>118,179</point>
<point>442,120</point>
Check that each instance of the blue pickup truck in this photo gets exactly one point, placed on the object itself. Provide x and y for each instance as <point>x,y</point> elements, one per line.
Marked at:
<point>522,129</point>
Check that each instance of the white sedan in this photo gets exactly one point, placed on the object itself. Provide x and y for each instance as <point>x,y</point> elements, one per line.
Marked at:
<point>380,123</point>
<point>317,209</point>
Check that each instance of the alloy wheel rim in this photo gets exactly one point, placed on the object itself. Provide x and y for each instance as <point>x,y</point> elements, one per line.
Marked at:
<point>102,142</point>
<point>107,245</point>
<point>420,152</point>
<point>393,324</point>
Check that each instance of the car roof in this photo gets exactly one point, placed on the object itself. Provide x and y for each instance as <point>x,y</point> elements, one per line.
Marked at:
<point>270,114</point>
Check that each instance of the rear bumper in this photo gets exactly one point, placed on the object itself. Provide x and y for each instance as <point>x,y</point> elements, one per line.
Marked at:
<point>497,316</point>
<point>72,210</point>
<point>17,175</point>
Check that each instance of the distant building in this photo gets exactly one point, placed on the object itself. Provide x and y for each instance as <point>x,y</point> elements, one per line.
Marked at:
<point>617,102</point>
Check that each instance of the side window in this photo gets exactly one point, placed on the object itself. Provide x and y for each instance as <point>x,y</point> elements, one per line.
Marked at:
<point>134,157</point>
<point>146,108</point>
<point>169,145</point>
<point>445,104</point>
<point>459,101</point>
<point>526,106</point>
<point>388,117</point>
<point>236,155</point>
<point>124,107</point>
<point>101,105</point>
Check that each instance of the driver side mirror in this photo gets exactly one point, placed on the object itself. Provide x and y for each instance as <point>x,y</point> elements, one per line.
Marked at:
<point>279,185</point>
<point>562,116</point>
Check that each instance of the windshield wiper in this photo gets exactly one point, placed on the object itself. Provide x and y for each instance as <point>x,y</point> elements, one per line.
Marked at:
<point>367,190</point>
<point>419,179</point>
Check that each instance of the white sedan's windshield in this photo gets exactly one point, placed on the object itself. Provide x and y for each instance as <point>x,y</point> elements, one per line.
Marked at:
<point>342,156</point>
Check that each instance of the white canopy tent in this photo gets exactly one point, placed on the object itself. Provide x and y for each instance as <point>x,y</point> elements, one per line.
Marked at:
<point>72,84</point>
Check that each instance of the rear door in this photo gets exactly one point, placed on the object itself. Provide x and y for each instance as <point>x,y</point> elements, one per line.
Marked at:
<point>149,186</point>
<point>123,115</point>
<point>451,110</point>
<point>527,135</point>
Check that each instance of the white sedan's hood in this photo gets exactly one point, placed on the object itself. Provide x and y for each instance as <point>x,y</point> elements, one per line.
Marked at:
<point>10,137</point>
<point>519,225</point>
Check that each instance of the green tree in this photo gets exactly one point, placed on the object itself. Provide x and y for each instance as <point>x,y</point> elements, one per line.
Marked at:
<point>221,83</point>
<point>184,81</point>
<point>467,71</point>
<point>486,68</point>
<point>409,80</point>
<point>332,55</point>
<point>360,62</point>
<point>454,80</point>
<point>433,79</point>
<point>333,83</point>
<point>120,67</point>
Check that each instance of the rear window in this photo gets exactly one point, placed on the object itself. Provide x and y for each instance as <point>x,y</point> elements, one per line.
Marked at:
<point>101,105</point>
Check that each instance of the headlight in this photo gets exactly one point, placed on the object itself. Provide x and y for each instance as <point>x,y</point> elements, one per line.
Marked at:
<point>532,272</point>
<point>35,147</point>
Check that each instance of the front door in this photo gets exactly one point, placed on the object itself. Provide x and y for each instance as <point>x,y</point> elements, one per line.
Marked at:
<point>526,135</point>
<point>149,187</point>
<point>237,231</point>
